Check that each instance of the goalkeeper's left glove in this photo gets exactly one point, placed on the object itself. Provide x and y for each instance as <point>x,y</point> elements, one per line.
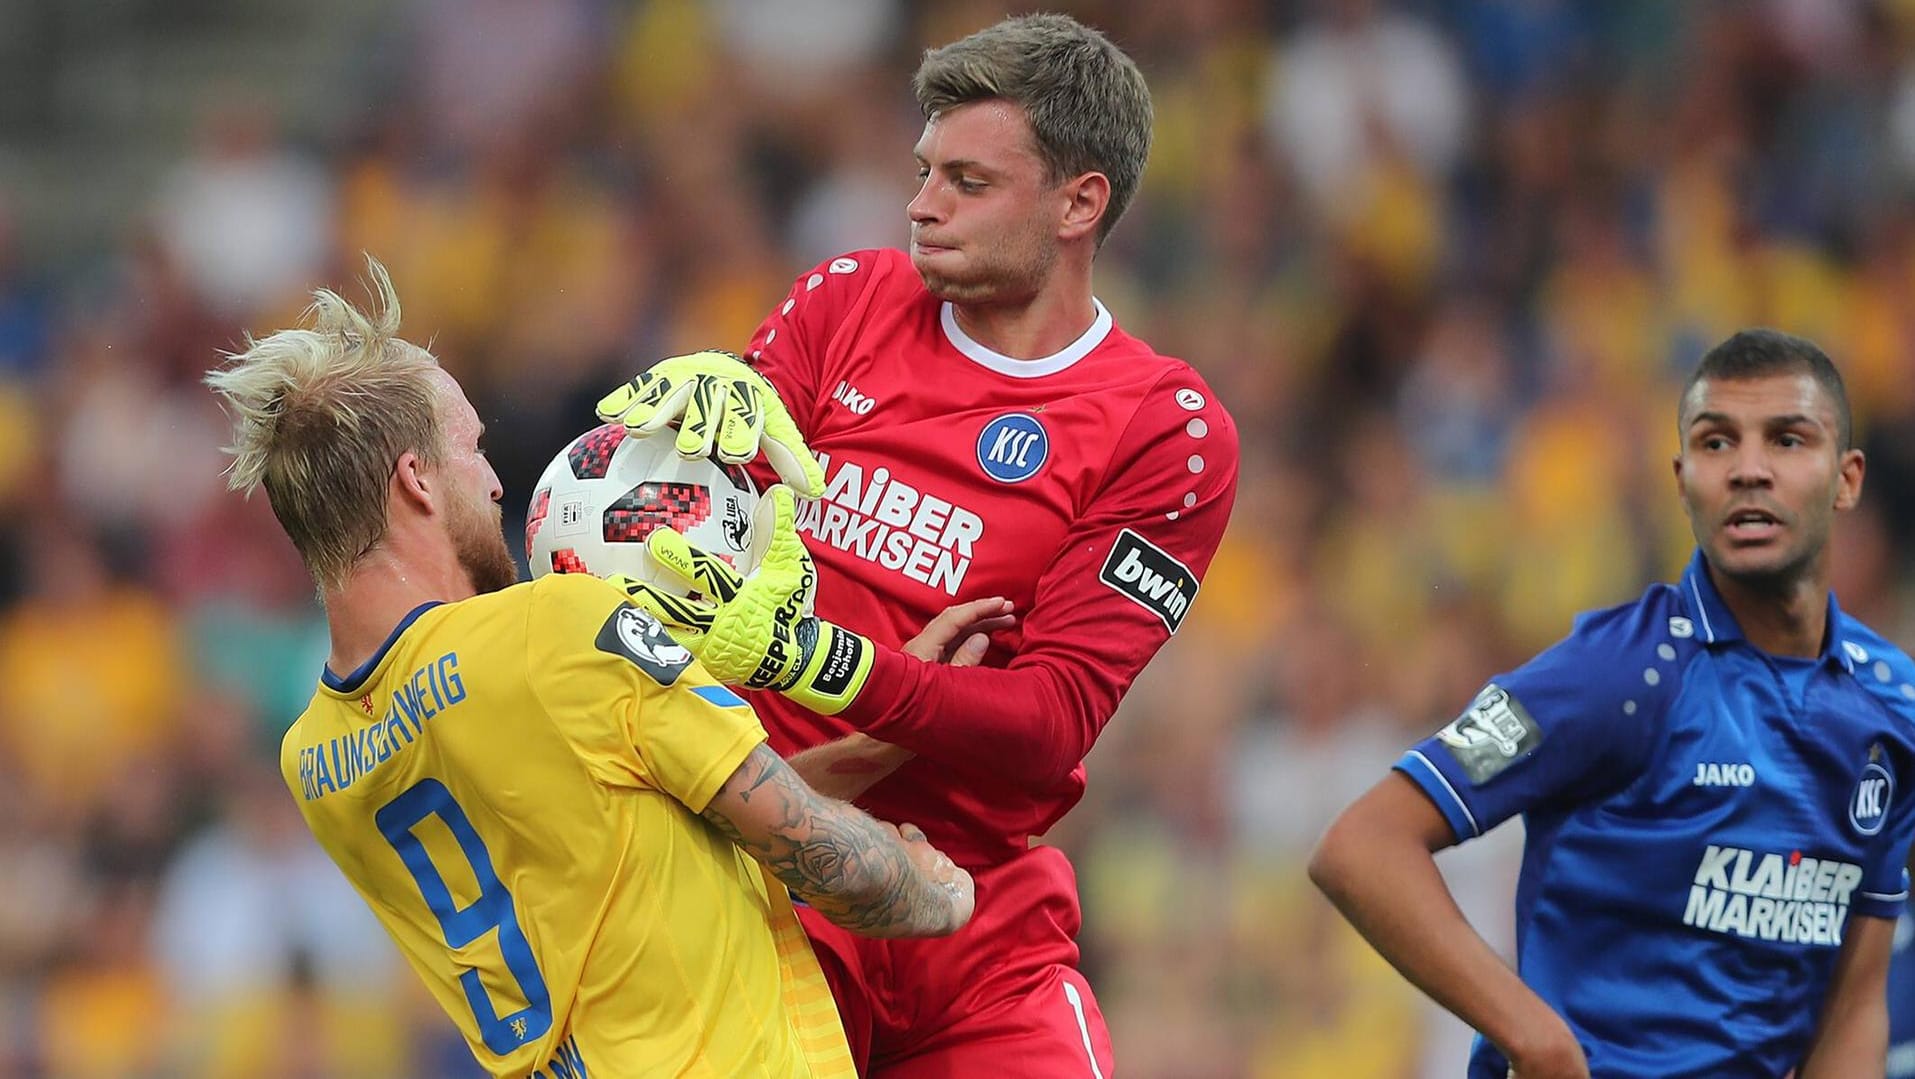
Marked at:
<point>720,404</point>
<point>758,631</point>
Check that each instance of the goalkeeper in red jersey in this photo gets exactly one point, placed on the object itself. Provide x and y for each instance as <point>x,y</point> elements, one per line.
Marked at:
<point>974,431</point>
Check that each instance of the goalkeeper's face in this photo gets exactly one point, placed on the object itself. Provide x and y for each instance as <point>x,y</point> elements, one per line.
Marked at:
<point>985,222</point>
<point>472,516</point>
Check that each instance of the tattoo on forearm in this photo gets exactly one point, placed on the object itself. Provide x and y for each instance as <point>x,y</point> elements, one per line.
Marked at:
<point>839,860</point>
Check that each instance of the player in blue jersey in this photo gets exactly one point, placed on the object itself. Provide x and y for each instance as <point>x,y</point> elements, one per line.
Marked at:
<point>1901,998</point>
<point>1715,783</point>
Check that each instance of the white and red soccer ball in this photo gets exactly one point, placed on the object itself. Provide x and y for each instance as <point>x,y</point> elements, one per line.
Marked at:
<point>608,490</point>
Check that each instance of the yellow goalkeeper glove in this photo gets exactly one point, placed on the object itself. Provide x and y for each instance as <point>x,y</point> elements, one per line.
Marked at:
<point>718,402</point>
<point>758,631</point>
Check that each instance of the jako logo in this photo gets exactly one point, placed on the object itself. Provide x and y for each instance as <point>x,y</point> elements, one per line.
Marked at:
<point>1013,447</point>
<point>1868,806</point>
<point>847,395</point>
<point>1711,774</point>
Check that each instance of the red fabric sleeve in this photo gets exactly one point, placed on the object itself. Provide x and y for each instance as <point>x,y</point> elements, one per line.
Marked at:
<point>790,345</point>
<point>1088,632</point>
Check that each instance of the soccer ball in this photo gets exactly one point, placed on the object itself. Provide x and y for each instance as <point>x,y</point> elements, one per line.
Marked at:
<point>604,493</point>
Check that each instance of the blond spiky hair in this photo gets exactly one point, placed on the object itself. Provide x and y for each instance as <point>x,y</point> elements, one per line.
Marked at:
<point>320,417</point>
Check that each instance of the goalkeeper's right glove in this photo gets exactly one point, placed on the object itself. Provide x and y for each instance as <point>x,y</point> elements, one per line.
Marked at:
<point>718,401</point>
<point>758,631</point>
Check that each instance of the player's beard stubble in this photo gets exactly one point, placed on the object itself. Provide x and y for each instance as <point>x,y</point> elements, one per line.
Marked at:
<point>479,542</point>
<point>1011,267</point>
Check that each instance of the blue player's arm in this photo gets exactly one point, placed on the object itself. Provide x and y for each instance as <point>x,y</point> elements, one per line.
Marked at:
<point>1377,864</point>
<point>1556,732</point>
<point>1851,1040</point>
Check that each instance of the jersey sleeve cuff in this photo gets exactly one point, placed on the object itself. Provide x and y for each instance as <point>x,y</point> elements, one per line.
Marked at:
<point>1887,901</point>
<point>875,708</point>
<point>1875,906</point>
<point>722,767</point>
<point>1438,788</point>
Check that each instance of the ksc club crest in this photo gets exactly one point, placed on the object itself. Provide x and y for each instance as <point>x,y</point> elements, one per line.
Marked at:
<point>1012,447</point>
<point>1868,804</point>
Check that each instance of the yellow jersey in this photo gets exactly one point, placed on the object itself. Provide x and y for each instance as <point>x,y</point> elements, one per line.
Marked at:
<point>513,784</point>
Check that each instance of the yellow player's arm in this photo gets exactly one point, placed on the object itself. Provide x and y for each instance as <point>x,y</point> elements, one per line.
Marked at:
<point>847,767</point>
<point>863,874</point>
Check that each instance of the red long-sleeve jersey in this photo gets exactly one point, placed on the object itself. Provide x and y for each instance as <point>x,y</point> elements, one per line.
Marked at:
<point>1090,487</point>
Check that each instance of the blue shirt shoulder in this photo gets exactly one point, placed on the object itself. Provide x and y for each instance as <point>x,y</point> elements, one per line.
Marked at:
<point>1885,671</point>
<point>1580,719</point>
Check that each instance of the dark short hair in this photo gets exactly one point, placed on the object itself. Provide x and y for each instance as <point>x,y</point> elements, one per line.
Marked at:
<point>1087,103</point>
<point>1762,353</point>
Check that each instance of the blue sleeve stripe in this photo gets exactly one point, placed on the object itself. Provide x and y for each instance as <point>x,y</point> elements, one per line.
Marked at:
<point>1437,785</point>
<point>720,696</point>
<point>1891,898</point>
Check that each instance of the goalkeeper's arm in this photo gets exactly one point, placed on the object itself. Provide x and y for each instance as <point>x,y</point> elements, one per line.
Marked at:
<point>1119,581</point>
<point>959,635</point>
<point>758,631</point>
<point>1031,722</point>
<point>1090,623</point>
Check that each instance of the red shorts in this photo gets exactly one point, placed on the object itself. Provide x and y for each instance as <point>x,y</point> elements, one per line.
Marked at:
<point>1000,997</point>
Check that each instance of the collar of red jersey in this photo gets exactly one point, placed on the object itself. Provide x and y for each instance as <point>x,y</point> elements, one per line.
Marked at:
<point>1005,365</point>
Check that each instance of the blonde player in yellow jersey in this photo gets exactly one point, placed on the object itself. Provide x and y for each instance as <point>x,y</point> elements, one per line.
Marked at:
<point>556,813</point>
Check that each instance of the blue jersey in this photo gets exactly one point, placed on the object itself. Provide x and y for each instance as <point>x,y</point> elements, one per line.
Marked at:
<point>1901,999</point>
<point>1701,821</point>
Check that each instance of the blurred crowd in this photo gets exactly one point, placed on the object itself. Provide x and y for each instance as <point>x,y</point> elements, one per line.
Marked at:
<point>1445,261</point>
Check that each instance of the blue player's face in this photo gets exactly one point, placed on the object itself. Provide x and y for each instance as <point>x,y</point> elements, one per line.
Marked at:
<point>984,223</point>
<point>1762,474</point>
